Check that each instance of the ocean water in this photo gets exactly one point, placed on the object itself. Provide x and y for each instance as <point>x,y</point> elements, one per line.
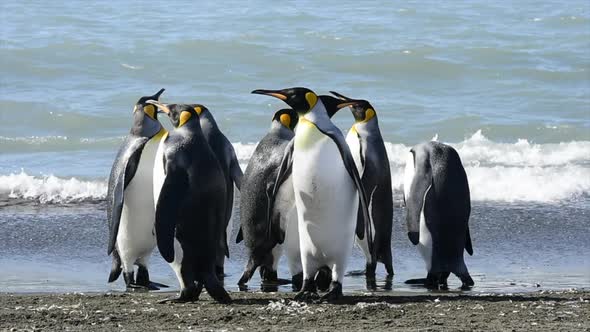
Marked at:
<point>507,84</point>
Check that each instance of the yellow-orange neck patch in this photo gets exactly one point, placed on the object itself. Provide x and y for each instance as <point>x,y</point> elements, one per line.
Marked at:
<point>150,110</point>
<point>285,120</point>
<point>199,110</point>
<point>312,99</point>
<point>184,117</point>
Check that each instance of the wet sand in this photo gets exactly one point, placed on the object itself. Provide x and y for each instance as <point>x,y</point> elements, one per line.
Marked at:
<point>254,311</point>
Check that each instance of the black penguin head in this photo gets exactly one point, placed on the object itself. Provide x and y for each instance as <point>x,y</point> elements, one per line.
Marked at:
<point>302,100</point>
<point>332,104</point>
<point>287,118</point>
<point>362,110</point>
<point>179,114</point>
<point>142,107</point>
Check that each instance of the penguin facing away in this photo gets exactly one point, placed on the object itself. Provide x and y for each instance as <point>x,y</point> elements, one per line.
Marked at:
<point>226,155</point>
<point>370,156</point>
<point>265,249</point>
<point>191,206</point>
<point>130,207</point>
<point>436,192</point>
<point>327,187</point>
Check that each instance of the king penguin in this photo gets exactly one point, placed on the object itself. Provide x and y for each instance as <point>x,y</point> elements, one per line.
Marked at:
<point>130,207</point>
<point>226,155</point>
<point>368,150</point>
<point>327,187</point>
<point>259,179</point>
<point>436,193</point>
<point>190,211</point>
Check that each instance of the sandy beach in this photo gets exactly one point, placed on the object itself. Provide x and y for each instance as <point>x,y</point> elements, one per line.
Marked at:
<point>255,311</point>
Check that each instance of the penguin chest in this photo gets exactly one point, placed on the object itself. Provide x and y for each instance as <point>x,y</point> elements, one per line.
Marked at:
<point>354,143</point>
<point>158,174</point>
<point>136,233</point>
<point>325,196</point>
<point>425,239</point>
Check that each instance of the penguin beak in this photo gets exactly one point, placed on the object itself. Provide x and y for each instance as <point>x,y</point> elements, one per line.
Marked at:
<point>162,108</point>
<point>341,96</point>
<point>273,93</point>
<point>348,103</point>
<point>157,95</point>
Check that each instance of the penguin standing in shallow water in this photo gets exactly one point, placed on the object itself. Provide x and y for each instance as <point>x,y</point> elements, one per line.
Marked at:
<point>265,249</point>
<point>130,206</point>
<point>327,187</point>
<point>191,206</point>
<point>438,205</point>
<point>370,156</point>
<point>226,155</point>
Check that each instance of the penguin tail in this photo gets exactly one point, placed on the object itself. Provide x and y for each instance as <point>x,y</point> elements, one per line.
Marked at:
<point>384,256</point>
<point>115,267</point>
<point>468,245</point>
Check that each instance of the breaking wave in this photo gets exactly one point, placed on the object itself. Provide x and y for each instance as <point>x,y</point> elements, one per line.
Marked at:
<point>507,172</point>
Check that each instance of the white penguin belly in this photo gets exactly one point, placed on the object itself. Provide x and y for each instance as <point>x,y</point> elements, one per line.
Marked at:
<point>352,139</point>
<point>425,240</point>
<point>159,175</point>
<point>325,196</point>
<point>409,172</point>
<point>135,237</point>
<point>285,203</point>
<point>354,144</point>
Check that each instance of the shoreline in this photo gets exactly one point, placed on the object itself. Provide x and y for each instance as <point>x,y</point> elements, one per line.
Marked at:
<point>564,310</point>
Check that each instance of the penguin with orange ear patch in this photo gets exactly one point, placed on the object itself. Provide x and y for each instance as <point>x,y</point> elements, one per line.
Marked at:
<point>226,155</point>
<point>368,150</point>
<point>191,206</point>
<point>265,245</point>
<point>130,205</point>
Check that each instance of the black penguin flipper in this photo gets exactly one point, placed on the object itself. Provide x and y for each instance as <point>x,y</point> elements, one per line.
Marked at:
<point>468,245</point>
<point>283,174</point>
<point>240,236</point>
<point>235,171</point>
<point>421,183</point>
<point>334,133</point>
<point>122,173</point>
<point>167,209</point>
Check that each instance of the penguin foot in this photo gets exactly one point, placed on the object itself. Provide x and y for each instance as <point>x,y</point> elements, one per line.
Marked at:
<point>308,292</point>
<point>306,296</point>
<point>138,288</point>
<point>323,278</point>
<point>371,284</point>
<point>419,281</point>
<point>355,273</point>
<point>467,282</point>
<point>159,285</point>
<point>334,294</point>
<point>190,294</point>
<point>216,290</point>
<point>297,281</point>
<point>370,276</point>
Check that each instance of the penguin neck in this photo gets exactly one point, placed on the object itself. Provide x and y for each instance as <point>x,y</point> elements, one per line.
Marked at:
<point>317,114</point>
<point>145,126</point>
<point>365,129</point>
<point>207,122</point>
<point>190,128</point>
<point>279,129</point>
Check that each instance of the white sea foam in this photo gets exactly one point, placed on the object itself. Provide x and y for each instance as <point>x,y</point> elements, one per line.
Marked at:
<point>514,172</point>
<point>51,189</point>
<point>507,172</point>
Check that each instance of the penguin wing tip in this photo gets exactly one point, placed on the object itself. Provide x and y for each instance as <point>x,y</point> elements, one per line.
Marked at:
<point>414,237</point>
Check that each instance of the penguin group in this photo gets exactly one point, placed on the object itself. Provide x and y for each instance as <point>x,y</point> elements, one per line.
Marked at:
<point>308,192</point>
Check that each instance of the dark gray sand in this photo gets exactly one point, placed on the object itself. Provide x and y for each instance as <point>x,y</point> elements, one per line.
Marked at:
<point>544,310</point>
